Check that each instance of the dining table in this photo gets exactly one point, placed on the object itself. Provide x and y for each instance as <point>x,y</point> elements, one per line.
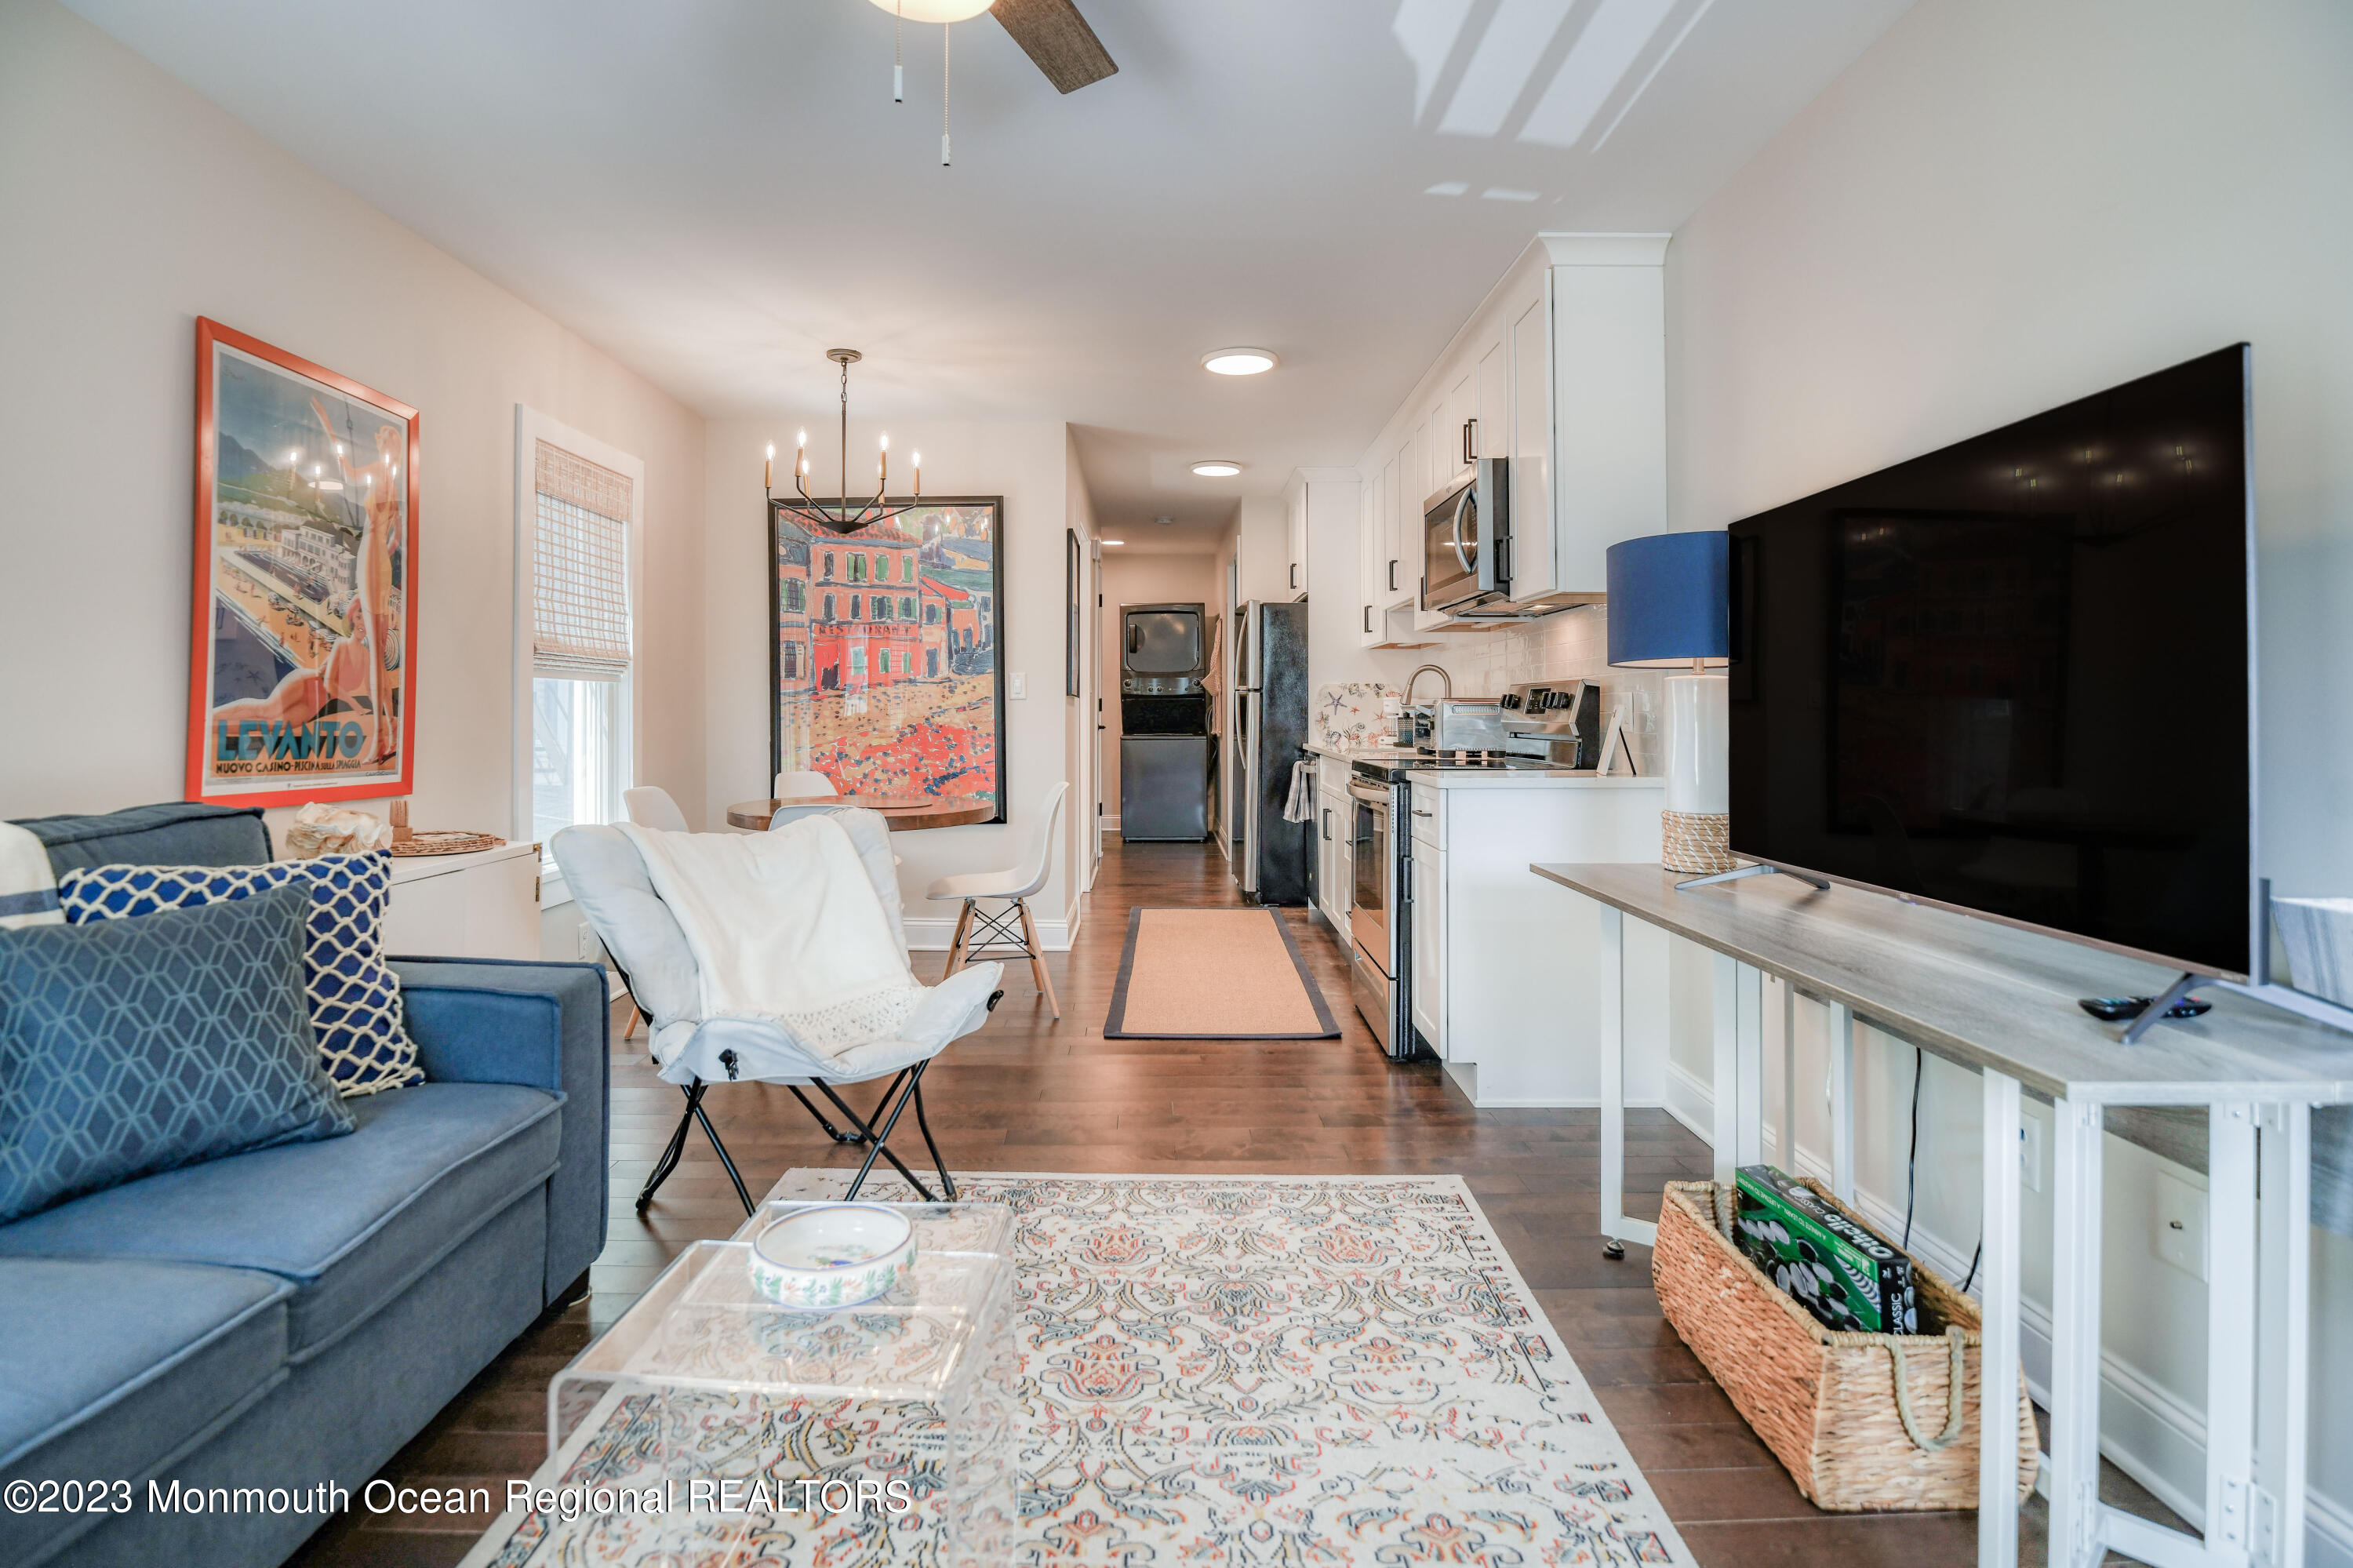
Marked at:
<point>904,813</point>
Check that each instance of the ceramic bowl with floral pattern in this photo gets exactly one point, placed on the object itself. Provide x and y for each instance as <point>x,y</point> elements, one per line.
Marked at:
<point>833,1254</point>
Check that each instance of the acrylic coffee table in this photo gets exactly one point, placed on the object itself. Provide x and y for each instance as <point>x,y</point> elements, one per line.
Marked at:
<point>770,1433</point>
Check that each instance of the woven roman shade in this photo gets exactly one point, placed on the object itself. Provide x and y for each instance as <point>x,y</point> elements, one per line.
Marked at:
<point>580,583</point>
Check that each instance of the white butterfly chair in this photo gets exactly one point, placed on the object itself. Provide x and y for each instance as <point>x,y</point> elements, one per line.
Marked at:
<point>1015,887</point>
<point>607,879</point>
<point>650,806</point>
<point>803,783</point>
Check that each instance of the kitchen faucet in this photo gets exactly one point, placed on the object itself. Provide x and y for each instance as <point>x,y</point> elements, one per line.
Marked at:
<point>1437,670</point>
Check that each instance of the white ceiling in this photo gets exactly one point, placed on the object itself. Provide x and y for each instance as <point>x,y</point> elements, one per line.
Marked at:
<point>716,191</point>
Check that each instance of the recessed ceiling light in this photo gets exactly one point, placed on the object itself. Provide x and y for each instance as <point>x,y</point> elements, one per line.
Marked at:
<point>1111,541</point>
<point>1238,361</point>
<point>1217,468</point>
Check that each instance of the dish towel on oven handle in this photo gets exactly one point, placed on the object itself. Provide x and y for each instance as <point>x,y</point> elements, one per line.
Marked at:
<point>1300,806</point>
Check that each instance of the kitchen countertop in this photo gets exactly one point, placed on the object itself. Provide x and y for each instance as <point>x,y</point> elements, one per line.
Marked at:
<point>1529,779</point>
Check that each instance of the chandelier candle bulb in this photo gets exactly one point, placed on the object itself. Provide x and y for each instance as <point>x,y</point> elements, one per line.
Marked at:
<point>919,473</point>
<point>768,469</point>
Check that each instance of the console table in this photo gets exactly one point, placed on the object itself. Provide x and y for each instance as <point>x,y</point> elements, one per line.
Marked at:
<point>2002,1001</point>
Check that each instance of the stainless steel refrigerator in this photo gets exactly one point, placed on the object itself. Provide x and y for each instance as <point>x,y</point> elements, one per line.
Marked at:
<point>1271,857</point>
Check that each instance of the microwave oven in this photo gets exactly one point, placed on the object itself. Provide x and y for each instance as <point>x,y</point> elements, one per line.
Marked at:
<point>1466,543</point>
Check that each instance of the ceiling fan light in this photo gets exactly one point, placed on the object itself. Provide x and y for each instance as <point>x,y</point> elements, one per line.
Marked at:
<point>1238,361</point>
<point>933,10</point>
<point>1217,468</point>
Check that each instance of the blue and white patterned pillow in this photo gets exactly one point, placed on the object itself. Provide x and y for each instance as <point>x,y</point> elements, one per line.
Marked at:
<point>354,995</point>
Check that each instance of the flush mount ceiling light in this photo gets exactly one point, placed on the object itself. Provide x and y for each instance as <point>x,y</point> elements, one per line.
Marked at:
<point>1238,361</point>
<point>934,10</point>
<point>1217,468</point>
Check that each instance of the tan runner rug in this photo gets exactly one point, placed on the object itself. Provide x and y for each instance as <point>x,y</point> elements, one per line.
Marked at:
<point>1214,974</point>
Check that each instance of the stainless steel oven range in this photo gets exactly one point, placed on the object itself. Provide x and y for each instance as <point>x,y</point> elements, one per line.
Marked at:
<point>1381,923</point>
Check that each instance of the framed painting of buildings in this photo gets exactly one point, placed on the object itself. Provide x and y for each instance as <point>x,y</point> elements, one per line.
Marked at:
<point>884,650</point>
<point>303,631</point>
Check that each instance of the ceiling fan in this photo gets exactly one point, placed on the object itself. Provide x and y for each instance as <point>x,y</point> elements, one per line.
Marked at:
<point>1050,32</point>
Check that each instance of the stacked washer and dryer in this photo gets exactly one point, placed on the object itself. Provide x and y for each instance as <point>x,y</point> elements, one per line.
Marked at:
<point>1164,744</point>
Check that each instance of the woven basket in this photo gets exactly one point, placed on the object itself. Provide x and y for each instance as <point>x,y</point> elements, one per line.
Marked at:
<point>1862,1421</point>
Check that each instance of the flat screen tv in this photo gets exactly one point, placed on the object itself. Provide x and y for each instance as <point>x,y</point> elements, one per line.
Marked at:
<point>2015,676</point>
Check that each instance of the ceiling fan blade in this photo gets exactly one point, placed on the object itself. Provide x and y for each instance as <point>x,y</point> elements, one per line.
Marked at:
<point>1058,39</point>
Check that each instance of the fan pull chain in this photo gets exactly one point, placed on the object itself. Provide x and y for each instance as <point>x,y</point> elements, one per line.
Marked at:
<point>898,70</point>
<point>945,46</point>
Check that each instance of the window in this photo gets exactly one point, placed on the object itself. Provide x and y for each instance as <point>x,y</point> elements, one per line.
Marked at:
<point>907,568</point>
<point>792,651</point>
<point>931,615</point>
<point>829,566</point>
<point>885,664</point>
<point>853,607</point>
<point>881,567</point>
<point>796,594</point>
<point>906,608</point>
<point>881,606</point>
<point>858,568</point>
<point>858,663</point>
<point>829,606</point>
<point>581,639</point>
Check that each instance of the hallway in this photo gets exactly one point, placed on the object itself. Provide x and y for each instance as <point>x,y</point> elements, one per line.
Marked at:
<point>1031,1093</point>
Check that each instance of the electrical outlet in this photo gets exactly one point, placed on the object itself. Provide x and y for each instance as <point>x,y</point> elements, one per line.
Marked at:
<point>590,951</point>
<point>2177,1224</point>
<point>1021,687</point>
<point>2029,1154</point>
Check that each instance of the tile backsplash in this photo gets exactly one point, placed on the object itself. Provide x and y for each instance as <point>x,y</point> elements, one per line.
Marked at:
<point>1567,645</point>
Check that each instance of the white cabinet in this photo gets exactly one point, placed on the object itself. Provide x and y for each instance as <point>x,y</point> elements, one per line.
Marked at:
<point>1563,371</point>
<point>1295,567</point>
<point>1429,937</point>
<point>478,906</point>
<point>1494,926</point>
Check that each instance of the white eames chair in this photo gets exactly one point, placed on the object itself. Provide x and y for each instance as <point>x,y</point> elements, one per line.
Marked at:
<point>650,806</point>
<point>1015,885</point>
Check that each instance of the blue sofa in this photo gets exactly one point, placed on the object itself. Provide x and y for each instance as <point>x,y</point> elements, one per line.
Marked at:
<point>290,1317</point>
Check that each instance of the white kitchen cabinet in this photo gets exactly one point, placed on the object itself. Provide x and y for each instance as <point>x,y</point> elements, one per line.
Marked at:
<point>1563,370</point>
<point>1491,437</point>
<point>1503,944</point>
<point>478,906</point>
<point>1295,567</point>
<point>1429,937</point>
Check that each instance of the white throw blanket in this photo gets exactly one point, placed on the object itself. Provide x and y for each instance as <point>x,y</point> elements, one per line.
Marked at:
<point>29,889</point>
<point>785,928</point>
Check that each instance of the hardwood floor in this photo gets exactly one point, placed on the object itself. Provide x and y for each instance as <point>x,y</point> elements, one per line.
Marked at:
<point>1029,1092</point>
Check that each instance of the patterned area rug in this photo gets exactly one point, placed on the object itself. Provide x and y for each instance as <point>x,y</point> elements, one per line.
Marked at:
<point>1249,1373</point>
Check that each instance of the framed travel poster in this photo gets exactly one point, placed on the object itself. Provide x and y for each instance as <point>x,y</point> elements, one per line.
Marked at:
<point>884,651</point>
<point>302,645</point>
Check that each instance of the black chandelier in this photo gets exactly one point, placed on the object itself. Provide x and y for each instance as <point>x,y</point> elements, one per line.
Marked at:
<point>841,516</point>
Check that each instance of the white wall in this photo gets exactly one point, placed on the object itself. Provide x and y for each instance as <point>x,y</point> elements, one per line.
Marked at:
<point>2001,205</point>
<point>1080,749</point>
<point>1027,463</point>
<point>131,208</point>
<point>1142,580</point>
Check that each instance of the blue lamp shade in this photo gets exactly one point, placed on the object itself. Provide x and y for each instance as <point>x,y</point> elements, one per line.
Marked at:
<point>1670,601</point>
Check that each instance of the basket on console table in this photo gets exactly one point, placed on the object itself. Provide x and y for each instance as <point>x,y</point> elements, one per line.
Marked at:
<point>1861,1421</point>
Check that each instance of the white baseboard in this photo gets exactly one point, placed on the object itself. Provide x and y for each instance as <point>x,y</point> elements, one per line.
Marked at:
<point>2144,1430</point>
<point>932,934</point>
<point>1690,1100</point>
<point>1111,824</point>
